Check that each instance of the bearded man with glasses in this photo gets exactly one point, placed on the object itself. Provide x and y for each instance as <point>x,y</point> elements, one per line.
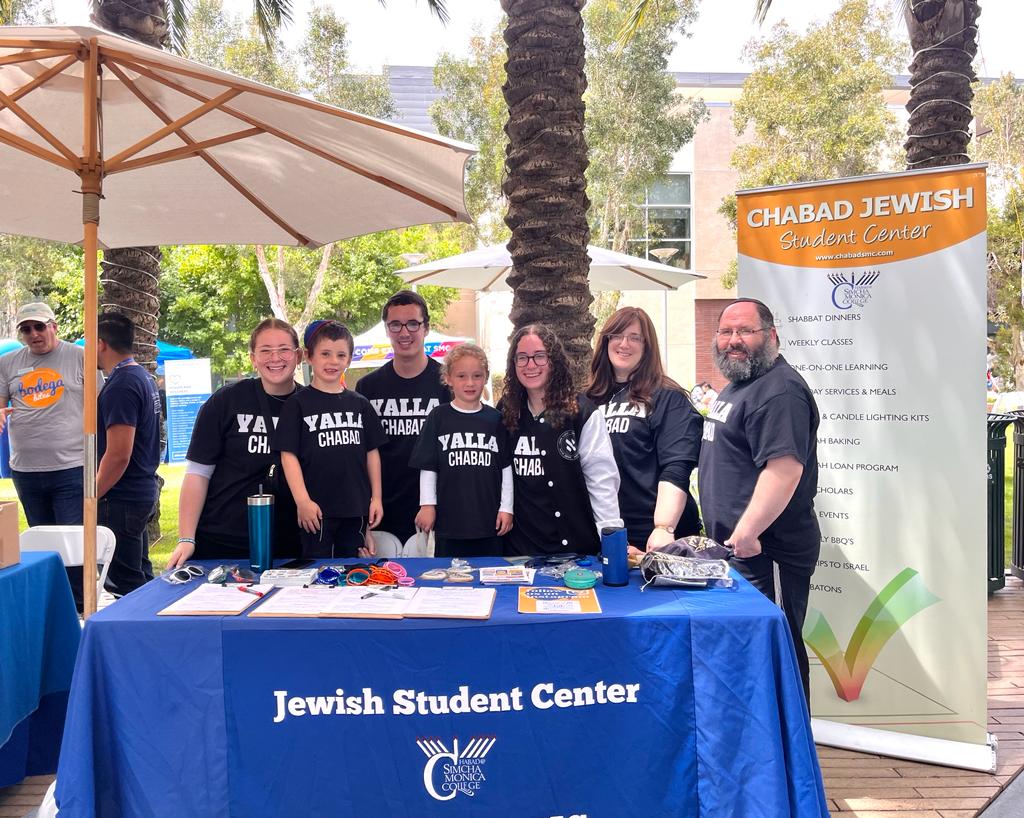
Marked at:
<point>403,392</point>
<point>44,382</point>
<point>758,470</point>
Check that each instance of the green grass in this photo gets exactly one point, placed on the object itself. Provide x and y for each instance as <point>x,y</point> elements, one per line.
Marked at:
<point>160,550</point>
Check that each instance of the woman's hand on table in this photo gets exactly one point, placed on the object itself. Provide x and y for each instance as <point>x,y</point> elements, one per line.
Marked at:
<point>658,538</point>
<point>181,554</point>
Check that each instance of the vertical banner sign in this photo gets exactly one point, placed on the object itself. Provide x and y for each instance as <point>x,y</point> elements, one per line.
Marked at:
<point>188,388</point>
<point>878,288</point>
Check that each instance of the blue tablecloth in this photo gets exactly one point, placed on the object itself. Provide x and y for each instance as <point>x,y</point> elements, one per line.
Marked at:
<point>39,635</point>
<point>191,716</point>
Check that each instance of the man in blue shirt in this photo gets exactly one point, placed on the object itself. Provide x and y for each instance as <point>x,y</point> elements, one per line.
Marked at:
<point>129,450</point>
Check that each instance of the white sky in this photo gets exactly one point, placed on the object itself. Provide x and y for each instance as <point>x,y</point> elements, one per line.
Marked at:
<point>405,33</point>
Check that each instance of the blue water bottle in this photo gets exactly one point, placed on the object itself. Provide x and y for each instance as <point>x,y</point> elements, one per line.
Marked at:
<point>261,531</point>
<point>615,568</point>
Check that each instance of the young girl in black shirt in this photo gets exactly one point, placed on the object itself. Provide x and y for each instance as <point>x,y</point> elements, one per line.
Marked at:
<point>465,464</point>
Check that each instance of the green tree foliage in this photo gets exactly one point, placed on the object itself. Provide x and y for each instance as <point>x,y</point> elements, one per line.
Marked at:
<point>999,108</point>
<point>328,73</point>
<point>26,12</point>
<point>32,269</point>
<point>211,298</point>
<point>473,110</point>
<point>814,103</point>
<point>634,123</point>
<point>1005,237</point>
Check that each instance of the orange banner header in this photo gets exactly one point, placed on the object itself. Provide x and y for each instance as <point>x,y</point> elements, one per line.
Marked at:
<point>862,221</point>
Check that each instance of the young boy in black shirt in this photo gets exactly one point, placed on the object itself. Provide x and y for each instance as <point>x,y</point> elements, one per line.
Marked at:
<point>328,437</point>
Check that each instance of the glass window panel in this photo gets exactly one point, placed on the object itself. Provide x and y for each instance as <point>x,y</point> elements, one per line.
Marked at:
<point>673,253</point>
<point>669,222</point>
<point>673,189</point>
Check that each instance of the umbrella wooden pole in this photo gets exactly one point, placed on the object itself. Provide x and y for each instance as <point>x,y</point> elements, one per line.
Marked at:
<point>92,183</point>
<point>89,423</point>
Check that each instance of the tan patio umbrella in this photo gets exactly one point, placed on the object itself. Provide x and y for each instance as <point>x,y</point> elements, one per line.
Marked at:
<point>180,153</point>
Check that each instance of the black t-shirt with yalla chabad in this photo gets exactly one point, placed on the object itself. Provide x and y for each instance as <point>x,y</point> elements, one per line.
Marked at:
<point>468,450</point>
<point>230,434</point>
<point>652,445</point>
<point>403,405</point>
<point>330,434</point>
<point>751,423</point>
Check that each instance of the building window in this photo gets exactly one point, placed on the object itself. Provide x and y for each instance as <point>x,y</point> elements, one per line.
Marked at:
<point>665,228</point>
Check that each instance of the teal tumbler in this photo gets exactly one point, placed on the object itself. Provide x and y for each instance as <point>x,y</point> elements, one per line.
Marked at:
<point>261,532</point>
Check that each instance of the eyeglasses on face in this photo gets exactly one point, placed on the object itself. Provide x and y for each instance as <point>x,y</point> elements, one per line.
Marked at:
<point>619,337</point>
<point>538,358</point>
<point>395,327</point>
<point>30,327</point>
<point>269,353</point>
<point>743,332</point>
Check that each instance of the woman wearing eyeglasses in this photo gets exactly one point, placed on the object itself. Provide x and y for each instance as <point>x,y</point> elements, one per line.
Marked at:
<point>654,429</point>
<point>230,456</point>
<point>565,482</point>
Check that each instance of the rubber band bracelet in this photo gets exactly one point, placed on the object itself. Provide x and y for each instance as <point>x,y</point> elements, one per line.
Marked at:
<point>395,569</point>
<point>187,539</point>
<point>406,581</point>
<point>357,576</point>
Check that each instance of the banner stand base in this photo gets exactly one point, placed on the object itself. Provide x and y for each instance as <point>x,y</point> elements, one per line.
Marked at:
<point>960,754</point>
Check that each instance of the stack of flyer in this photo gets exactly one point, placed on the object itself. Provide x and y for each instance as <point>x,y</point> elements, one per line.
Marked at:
<point>507,575</point>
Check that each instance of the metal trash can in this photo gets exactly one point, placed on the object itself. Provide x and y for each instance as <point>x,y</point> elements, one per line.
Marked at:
<point>1017,553</point>
<point>997,424</point>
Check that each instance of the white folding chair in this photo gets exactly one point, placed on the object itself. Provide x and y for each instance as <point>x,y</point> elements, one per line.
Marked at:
<point>386,544</point>
<point>419,545</point>
<point>66,540</point>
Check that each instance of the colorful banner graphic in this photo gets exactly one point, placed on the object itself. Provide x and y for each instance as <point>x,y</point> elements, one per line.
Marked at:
<point>878,289</point>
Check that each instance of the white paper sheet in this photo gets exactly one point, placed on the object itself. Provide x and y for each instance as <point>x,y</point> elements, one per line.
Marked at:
<point>216,600</point>
<point>452,603</point>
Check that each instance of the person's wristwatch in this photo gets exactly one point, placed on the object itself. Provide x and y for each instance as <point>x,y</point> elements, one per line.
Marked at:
<point>671,529</point>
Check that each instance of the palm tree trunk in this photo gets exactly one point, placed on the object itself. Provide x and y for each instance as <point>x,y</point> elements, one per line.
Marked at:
<point>131,276</point>
<point>944,36</point>
<point>545,160</point>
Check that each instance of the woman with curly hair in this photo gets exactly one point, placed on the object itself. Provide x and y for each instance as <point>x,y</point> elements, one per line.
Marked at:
<point>564,476</point>
<point>655,430</point>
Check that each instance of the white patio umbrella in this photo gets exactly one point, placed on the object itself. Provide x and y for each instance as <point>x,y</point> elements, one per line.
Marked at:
<point>486,269</point>
<point>181,153</point>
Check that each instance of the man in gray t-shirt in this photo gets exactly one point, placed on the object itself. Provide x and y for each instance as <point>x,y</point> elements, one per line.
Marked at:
<point>44,383</point>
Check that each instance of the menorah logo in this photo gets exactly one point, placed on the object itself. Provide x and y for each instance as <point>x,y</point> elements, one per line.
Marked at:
<point>852,290</point>
<point>449,772</point>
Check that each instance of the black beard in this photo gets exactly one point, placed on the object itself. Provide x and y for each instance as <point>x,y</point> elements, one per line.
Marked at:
<point>754,366</point>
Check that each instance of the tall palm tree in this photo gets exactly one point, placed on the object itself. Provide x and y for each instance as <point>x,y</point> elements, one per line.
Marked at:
<point>944,37</point>
<point>545,160</point>
<point>131,276</point>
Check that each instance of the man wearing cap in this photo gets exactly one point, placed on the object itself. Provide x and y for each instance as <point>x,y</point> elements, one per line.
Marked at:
<point>44,383</point>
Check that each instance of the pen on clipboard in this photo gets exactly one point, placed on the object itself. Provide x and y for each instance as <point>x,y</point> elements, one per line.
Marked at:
<point>245,589</point>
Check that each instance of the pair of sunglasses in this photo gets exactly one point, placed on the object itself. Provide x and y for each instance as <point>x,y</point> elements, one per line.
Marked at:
<point>179,576</point>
